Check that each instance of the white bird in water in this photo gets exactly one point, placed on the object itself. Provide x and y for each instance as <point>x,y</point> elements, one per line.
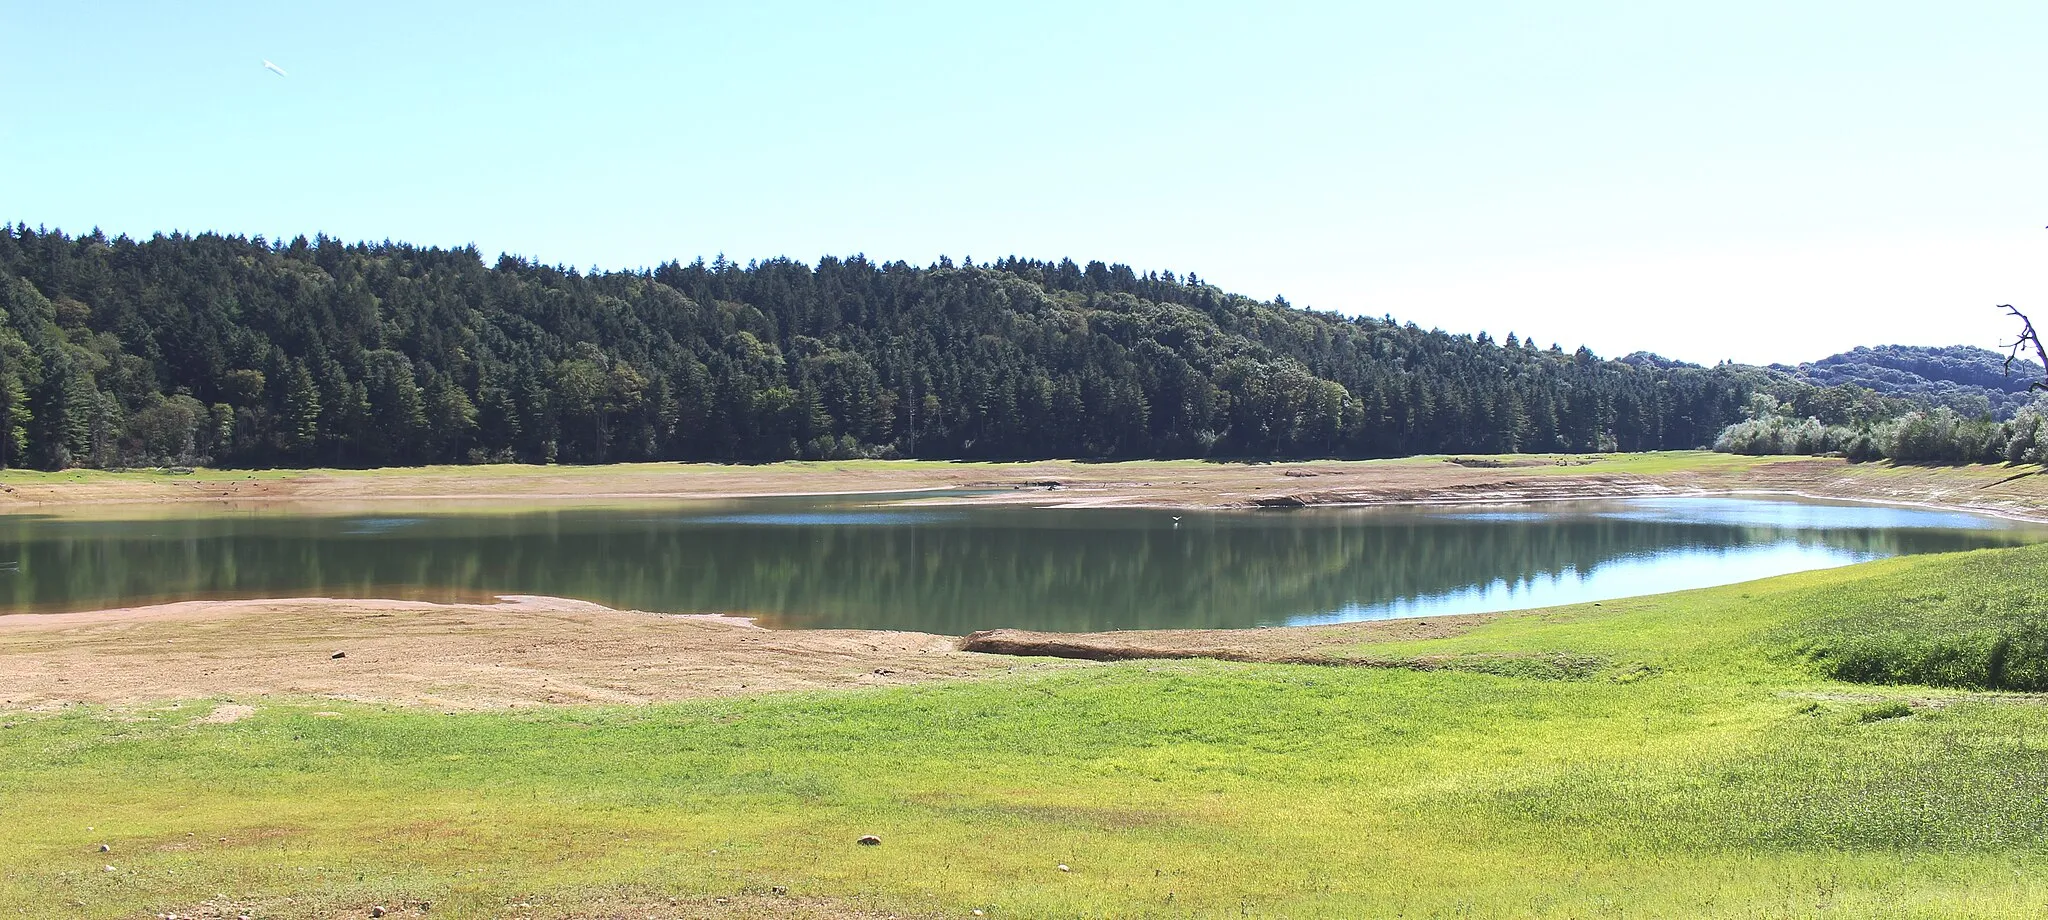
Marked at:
<point>273,68</point>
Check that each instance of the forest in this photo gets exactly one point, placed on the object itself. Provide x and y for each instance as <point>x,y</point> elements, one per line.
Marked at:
<point>187,349</point>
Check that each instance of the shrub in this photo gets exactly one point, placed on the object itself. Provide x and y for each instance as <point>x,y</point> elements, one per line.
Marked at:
<point>1883,711</point>
<point>1777,434</point>
<point>1942,436</point>
<point>1936,436</point>
<point>2026,442</point>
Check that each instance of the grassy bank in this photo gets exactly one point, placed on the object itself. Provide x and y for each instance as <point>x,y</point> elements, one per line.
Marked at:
<point>1704,764</point>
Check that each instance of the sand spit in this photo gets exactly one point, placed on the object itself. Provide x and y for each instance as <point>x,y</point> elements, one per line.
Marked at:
<point>527,651</point>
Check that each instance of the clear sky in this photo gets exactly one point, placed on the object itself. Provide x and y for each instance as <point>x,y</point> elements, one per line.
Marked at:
<point>1758,181</point>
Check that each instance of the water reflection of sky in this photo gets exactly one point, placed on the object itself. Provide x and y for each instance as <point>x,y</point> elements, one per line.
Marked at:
<point>1750,512</point>
<point>1648,573</point>
<point>378,525</point>
<point>1793,548</point>
<point>1746,512</point>
<point>826,518</point>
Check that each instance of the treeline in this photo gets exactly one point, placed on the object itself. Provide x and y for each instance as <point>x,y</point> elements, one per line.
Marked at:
<point>188,349</point>
<point>1915,435</point>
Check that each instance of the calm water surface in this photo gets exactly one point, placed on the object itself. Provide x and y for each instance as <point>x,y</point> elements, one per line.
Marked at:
<point>874,563</point>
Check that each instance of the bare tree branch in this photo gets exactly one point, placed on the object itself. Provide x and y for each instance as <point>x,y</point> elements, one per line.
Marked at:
<point>2027,337</point>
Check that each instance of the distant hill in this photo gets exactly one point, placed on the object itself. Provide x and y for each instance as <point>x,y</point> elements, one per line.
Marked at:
<point>1963,377</point>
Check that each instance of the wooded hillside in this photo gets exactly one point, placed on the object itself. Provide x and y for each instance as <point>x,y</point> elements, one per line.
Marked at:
<point>1965,378</point>
<point>240,352</point>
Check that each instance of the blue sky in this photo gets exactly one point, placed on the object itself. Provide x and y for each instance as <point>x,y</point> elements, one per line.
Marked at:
<point>1762,182</point>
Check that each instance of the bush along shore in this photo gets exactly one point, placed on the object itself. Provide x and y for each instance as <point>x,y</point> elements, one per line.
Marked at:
<point>1939,436</point>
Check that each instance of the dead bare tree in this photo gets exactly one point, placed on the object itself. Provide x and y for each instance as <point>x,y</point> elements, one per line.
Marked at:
<point>2028,337</point>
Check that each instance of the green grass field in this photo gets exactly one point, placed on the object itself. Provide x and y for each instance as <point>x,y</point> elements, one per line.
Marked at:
<point>1706,761</point>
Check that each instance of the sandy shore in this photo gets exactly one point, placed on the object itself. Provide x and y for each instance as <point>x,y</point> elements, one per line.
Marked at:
<point>526,651</point>
<point>545,650</point>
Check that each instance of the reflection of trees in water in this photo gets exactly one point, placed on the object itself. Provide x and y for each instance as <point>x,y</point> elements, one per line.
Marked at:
<point>1047,569</point>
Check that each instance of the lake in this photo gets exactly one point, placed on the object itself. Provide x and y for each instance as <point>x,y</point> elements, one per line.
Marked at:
<point>908,562</point>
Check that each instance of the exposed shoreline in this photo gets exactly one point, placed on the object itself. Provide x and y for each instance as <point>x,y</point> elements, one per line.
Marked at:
<point>525,650</point>
<point>2017,493</point>
<point>530,650</point>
